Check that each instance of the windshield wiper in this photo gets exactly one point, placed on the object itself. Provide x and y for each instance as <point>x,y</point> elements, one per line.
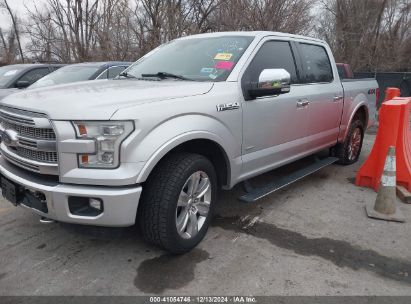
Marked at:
<point>164,75</point>
<point>127,75</point>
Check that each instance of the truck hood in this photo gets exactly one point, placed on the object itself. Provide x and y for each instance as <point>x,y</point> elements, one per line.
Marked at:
<point>7,92</point>
<point>100,99</point>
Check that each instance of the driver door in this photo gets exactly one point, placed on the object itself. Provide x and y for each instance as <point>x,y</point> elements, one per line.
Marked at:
<point>275,128</point>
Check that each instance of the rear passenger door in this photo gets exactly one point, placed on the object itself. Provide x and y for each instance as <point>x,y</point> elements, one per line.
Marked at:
<point>324,93</point>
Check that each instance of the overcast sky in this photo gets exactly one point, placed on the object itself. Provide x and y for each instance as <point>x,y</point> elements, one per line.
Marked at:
<point>18,7</point>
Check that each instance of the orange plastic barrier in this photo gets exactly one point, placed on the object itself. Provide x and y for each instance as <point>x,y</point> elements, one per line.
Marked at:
<point>394,130</point>
<point>391,93</point>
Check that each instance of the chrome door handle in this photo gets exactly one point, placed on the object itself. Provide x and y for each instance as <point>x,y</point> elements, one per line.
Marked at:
<point>302,103</point>
<point>337,98</point>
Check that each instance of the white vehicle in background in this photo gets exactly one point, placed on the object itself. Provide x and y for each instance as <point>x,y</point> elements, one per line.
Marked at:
<point>82,72</point>
<point>15,77</point>
<point>197,114</point>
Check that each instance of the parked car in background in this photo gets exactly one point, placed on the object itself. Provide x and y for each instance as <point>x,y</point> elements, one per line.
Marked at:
<point>20,76</point>
<point>82,72</point>
<point>197,114</point>
<point>344,71</point>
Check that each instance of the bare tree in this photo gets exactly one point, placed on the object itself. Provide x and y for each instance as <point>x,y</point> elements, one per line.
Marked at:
<point>369,34</point>
<point>13,16</point>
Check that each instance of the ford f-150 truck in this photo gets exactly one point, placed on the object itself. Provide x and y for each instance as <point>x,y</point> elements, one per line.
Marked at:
<point>194,115</point>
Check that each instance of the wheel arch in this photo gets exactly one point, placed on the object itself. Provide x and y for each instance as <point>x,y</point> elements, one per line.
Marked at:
<point>360,110</point>
<point>203,143</point>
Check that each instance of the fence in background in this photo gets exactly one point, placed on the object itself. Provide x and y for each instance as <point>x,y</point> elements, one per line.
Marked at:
<point>394,79</point>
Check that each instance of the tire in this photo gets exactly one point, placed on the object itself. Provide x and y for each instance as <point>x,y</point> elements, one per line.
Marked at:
<point>165,200</point>
<point>343,150</point>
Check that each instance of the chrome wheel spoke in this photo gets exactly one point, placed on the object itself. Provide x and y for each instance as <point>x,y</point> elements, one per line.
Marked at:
<point>193,205</point>
<point>203,208</point>
<point>355,144</point>
<point>194,180</point>
<point>192,227</point>
<point>203,187</point>
<point>183,199</point>
<point>182,220</point>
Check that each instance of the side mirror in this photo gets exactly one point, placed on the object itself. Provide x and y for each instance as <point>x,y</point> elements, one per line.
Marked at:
<point>22,84</point>
<point>271,82</point>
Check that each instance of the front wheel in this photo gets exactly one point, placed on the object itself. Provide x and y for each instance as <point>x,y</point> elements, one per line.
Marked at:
<point>349,151</point>
<point>177,202</point>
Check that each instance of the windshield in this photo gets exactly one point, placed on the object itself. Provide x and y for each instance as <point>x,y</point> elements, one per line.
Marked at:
<point>7,73</point>
<point>200,59</point>
<point>66,74</point>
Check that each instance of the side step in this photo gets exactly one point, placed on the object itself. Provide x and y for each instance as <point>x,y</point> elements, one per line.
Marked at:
<point>255,194</point>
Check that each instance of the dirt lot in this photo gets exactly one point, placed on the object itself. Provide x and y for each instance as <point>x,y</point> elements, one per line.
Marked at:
<point>312,238</point>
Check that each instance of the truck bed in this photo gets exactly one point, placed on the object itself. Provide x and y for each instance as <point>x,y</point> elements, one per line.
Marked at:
<point>359,89</point>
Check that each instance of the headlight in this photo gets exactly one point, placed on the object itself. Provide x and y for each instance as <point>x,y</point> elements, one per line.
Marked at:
<point>108,136</point>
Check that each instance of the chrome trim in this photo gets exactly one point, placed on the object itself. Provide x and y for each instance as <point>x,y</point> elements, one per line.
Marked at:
<point>31,165</point>
<point>25,120</point>
<point>36,146</point>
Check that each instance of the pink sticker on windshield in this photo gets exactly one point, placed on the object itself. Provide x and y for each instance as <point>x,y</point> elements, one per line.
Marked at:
<point>224,65</point>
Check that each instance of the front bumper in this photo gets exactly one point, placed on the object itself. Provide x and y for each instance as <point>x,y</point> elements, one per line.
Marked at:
<point>120,203</point>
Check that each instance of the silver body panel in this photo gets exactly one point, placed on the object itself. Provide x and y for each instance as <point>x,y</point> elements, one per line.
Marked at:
<point>256,136</point>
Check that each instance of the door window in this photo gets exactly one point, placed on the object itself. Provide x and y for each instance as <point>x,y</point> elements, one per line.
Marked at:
<point>34,75</point>
<point>103,75</point>
<point>272,55</point>
<point>316,63</point>
<point>114,71</point>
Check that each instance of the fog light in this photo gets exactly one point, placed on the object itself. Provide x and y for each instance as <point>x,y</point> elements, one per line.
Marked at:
<point>85,206</point>
<point>96,203</point>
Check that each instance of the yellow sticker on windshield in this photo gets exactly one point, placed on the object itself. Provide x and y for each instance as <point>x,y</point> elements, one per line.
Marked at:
<point>223,56</point>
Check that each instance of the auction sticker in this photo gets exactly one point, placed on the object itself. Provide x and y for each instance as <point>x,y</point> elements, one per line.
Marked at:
<point>223,56</point>
<point>224,65</point>
<point>207,70</point>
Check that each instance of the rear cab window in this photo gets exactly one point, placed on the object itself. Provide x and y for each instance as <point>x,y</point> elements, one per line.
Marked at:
<point>316,64</point>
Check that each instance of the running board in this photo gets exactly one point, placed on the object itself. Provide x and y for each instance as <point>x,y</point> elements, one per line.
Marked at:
<point>254,194</point>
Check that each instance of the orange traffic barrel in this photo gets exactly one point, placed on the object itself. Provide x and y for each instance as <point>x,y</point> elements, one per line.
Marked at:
<point>394,130</point>
<point>391,93</point>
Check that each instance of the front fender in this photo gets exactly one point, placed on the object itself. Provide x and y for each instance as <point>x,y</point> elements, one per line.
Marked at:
<point>178,130</point>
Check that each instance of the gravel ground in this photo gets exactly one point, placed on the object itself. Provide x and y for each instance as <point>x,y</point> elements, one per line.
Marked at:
<point>312,238</point>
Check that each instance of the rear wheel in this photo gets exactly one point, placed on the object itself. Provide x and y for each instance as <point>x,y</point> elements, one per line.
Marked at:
<point>349,151</point>
<point>177,202</point>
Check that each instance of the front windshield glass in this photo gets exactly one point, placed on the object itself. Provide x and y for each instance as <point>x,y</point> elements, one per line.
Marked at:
<point>200,59</point>
<point>7,73</point>
<point>67,74</point>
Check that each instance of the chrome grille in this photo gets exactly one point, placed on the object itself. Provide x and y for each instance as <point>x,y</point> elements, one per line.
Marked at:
<point>41,156</point>
<point>30,132</point>
<point>34,146</point>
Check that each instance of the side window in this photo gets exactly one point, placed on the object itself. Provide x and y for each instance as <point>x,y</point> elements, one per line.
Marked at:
<point>114,71</point>
<point>34,75</point>
<point>316,63</point>
<point>103,75</point>
<point>272,55</point>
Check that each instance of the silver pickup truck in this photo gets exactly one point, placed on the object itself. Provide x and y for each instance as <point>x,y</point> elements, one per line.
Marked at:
<point>194,115</point>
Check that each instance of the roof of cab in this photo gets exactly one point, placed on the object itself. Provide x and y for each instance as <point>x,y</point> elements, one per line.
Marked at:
<point>256,34</point>
<point>102,63</point>
<point>33,65</point>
